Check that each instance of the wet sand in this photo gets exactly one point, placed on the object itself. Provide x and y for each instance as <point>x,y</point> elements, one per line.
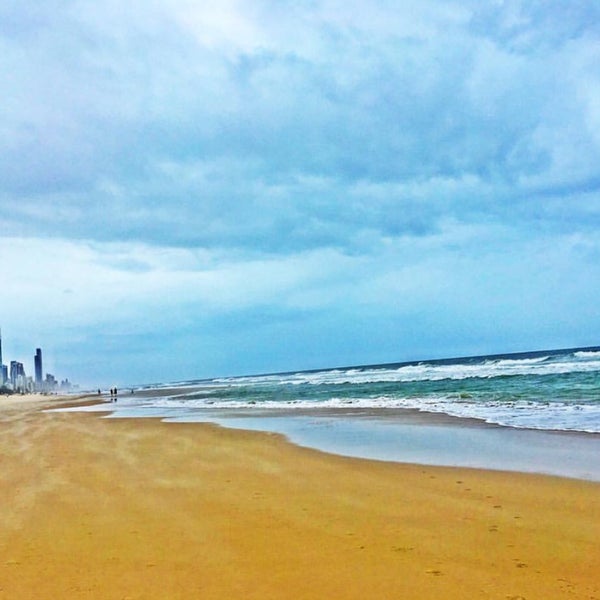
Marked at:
<point>136,508</point>
<point>395,434</point>
<point>402,435</point>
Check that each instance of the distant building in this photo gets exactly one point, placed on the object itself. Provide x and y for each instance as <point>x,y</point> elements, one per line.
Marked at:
<point>27,385</point>
<point>16,370</point>
<point>50,384</point>
<point>37,359</point>
<point>3,369</point>
<point>14,378</point>
<point>19,381</point>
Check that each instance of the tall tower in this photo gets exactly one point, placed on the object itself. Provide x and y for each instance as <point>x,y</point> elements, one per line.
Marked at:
<point>37,359</point>
<point>17,373</point>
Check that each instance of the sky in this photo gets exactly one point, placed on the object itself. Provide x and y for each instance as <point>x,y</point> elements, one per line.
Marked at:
<point>192,189</point>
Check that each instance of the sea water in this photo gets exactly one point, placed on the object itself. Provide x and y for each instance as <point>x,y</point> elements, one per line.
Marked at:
<point>553,390</point>
<point>510,411</point>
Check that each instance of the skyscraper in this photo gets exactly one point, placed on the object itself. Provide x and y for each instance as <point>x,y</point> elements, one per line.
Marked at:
<point>17,373</point>
<point>37,359</point>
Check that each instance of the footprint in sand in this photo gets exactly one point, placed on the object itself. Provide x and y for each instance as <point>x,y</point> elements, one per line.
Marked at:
<point>434,572</point>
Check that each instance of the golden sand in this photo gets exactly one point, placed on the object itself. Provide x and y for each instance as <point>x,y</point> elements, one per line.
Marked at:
<point>116,509</point>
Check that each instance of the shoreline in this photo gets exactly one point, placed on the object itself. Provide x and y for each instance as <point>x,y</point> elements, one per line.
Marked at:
<point>435,440</point>
<point>138,508</point>
<point>399,435</point>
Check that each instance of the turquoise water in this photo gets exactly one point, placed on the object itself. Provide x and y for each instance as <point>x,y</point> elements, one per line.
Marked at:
<point>554,390</point>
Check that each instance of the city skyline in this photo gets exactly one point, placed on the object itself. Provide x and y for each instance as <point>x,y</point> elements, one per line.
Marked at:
<point>13,376</point>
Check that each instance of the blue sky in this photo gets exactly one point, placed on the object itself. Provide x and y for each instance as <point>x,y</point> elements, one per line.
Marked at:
<point>191,189</point>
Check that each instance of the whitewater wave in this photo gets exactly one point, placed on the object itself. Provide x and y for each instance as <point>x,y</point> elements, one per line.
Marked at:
<point>559,416</point>
<point>545,365</point>
<point>587,355</point>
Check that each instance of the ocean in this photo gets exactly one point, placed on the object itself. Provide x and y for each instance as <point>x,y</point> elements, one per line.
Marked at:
<point>533,411</point>
<point>548,390</point>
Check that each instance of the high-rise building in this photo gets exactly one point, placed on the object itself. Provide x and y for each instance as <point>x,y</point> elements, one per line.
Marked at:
<point>50,382</point>
<point>2,378</point>
<point>37,360</point>
<point>17,371</point>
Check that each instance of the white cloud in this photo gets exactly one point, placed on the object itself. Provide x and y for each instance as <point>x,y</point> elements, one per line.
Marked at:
<point>53,282</point>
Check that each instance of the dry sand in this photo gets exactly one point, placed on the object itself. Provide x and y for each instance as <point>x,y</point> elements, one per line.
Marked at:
<point>115,509</point>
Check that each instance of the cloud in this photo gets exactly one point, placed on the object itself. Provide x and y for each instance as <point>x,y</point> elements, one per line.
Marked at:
<point>536,25</point>
<point>382,94</point>
<point>421,296</point>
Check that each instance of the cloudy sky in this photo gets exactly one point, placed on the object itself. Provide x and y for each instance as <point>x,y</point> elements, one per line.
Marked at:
<point>201,188</point>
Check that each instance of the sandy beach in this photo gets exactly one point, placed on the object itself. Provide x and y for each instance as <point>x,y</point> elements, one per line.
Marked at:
<point>136,508</point>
